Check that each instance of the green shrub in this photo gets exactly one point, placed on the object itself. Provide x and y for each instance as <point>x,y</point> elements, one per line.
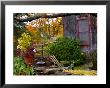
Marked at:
<point>66,49</point>
<point>93,55</point>
<point>19,68</point>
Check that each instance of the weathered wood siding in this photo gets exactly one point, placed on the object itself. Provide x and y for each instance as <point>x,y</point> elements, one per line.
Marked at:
<point>83,30</point>
<point>69,23</point>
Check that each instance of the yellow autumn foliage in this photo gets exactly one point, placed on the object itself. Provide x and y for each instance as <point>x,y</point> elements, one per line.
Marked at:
<point>82,72</point>
<point>24,41</point>
<point>31,29</point>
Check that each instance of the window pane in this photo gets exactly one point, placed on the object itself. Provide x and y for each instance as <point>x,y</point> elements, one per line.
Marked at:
<point>84,36</point>
<point>83,25</point>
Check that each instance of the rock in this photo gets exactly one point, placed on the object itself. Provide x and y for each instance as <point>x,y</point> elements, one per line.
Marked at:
<point>40,70</point>
<point>67,73</point>
<point>62,73</point>
<point>51,71</point>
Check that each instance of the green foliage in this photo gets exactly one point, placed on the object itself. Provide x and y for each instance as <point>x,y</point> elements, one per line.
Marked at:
<point>93,55</point>
<point>19,27</point>
<point>67,49</point>
<point>24,41</point>
<point>20,68</point>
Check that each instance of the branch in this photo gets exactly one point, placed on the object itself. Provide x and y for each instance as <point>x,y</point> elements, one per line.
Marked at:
<point>44,16</point>
<point>49,16</point>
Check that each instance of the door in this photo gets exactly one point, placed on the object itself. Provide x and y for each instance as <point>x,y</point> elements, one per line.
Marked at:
<point>83,32</point>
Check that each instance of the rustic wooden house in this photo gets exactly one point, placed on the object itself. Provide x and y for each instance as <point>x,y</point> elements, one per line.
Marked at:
<point>83,27</point>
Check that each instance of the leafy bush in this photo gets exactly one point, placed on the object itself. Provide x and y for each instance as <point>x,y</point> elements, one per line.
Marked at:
<point>66,49</point>
<point>24,41</point>
<point>20,68</point>
<point>93,55</point>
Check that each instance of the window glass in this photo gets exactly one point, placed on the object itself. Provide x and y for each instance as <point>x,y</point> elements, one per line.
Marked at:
<point>84,36</point>
<point>83,25</point>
